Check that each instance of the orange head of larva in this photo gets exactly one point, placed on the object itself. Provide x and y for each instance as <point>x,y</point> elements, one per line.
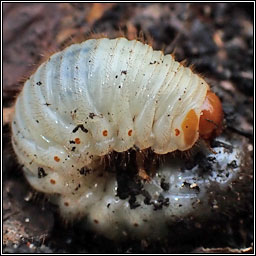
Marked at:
<point>210,124</point>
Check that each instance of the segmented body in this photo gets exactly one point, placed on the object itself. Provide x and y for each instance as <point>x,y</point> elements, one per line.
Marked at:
<point>101,96</point>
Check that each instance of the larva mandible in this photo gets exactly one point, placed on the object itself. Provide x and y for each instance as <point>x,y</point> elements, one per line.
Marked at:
<point>107,95</point>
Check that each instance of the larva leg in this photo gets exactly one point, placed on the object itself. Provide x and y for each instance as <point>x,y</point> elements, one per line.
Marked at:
<point>140,160</point>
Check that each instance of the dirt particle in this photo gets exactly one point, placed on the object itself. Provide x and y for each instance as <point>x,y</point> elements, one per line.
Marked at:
<point>84,171</point>
<point>81,127</point>
<point>164,185</point>
<point>41,172</point>
<point>92,115</point>
<point>78,186</point>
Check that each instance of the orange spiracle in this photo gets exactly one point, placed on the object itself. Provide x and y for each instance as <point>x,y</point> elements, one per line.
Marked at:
<point>190,127</point>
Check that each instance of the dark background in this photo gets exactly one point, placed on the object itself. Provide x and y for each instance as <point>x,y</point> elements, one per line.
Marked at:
<point>216,38</point>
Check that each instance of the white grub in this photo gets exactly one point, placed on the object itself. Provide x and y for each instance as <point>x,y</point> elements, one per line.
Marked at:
<point>104,96</point>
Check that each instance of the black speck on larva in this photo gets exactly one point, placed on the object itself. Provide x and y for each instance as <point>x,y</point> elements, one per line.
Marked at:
<point>41,172</point>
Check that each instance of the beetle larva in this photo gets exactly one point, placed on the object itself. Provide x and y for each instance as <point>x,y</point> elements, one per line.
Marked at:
<point>102,96</point>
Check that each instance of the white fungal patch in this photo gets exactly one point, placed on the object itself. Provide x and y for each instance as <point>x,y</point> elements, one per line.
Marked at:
<point>92,99</point>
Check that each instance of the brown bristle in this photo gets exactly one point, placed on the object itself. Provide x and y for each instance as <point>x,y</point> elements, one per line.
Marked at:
<point>184,63</point>
<point>192,67</point>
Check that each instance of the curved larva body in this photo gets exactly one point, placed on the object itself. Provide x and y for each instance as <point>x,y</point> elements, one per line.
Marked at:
<point>107,95</point>
<point>101,96</point>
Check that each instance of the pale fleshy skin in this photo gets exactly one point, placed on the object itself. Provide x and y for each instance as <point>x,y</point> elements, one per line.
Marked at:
<point>94,98</point>
<point>121,91</point>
